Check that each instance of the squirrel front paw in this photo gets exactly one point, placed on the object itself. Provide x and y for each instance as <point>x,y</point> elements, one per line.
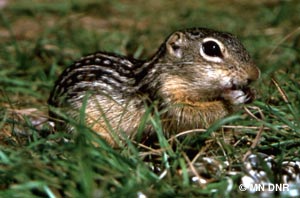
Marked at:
<point>240,96</point>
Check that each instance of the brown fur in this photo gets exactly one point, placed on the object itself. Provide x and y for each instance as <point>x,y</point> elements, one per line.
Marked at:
<point>191,84</point>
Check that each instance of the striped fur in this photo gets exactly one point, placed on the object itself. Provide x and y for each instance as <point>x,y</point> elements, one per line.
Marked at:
<point>193,90</point>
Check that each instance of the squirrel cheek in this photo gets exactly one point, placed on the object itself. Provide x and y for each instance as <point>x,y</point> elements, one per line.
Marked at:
<point>235,97</point>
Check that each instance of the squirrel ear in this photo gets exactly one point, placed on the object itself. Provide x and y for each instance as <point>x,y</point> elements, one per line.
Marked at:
<point>175,43</point>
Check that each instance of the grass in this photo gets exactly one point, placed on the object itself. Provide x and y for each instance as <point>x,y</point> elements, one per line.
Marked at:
<point>39,39</point>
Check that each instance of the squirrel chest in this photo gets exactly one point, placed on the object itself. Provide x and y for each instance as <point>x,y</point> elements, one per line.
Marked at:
<point>196,77</point>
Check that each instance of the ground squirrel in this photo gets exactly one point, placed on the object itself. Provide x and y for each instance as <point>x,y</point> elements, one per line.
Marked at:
<point>196,77</point>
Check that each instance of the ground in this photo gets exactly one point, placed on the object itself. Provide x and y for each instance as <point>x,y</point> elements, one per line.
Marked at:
<point>38,39</point>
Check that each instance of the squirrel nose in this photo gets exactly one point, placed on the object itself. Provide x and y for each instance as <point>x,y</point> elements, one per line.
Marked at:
<point>253,73</point>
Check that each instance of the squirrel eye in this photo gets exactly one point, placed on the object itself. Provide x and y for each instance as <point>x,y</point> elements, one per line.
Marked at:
<point>211,48</point>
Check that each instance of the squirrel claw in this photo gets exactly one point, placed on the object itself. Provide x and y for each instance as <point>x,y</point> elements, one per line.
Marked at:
<point>236,97</point>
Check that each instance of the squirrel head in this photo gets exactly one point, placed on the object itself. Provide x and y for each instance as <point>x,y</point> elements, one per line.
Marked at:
<point>203,64</point>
